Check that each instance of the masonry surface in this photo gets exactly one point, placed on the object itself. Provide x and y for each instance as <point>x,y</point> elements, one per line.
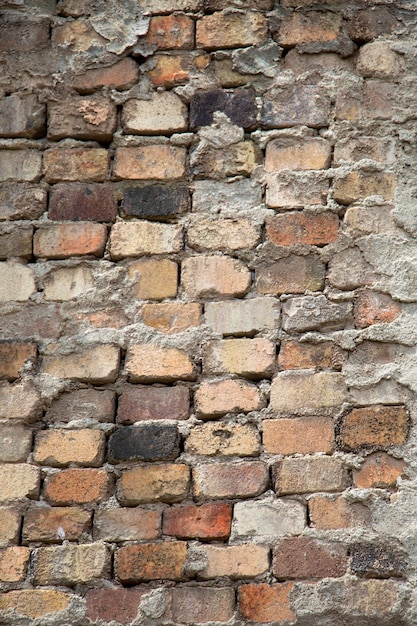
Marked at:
<point>208,312</point>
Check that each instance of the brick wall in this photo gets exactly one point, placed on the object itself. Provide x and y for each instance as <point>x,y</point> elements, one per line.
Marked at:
<point>208,288</point>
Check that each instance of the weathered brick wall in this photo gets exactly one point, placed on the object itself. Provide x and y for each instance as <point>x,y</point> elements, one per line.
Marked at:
<point>208,288</point>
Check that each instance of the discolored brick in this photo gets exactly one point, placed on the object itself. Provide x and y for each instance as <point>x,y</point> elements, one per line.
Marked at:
<point>368,23</point>
<point>76,164</point>
<point>118,604</point>
<point>332,512</point>
<point>20,402</point>
<point>126,524</point>
<point>222,439</point>
<point>83,404</point>
<point>302,557</point>
<point>292,274</point>
<point>21,201</point>
<point>172,69</point>
<point>150,442</point>
<point>206,521</point>
<point>146,363</point>
<point>359,185</point>
<point>172,317</point>
<point>214,275</point>
<point>82,202</point>
<point>77,486</point>
<point>379,470</point>
<point>310,474</point>
<point>10,521</point>
<point>374,426</point>
<point>13,357</point>
<point>15,444</point>
<point>171,32</point>
<point>240,159</point>
<point>253,358</point>
<point>203,604</point>
<point>230,480</point>
<point>35,603</point>
<point>239,105</point>
<point>377,59</point>
<point>22,116</point>
<point>236,562</point>
<point>18,481</point>
<point>150,561</point>
<point>293,355</point>
<point>155,201</point>
<point>242,317</point>
<point>82,117</point>
<point>71,564</point>
<point>378,561</point>
<point>313,27</point>
<point>13,564</point>
<point>298,435</point>
<point>160,114</point>
<point>306,105</point>
<point>313,313</point>
<point>371,307</point>
<point>297,154</point>
<point>153,403</point>
<point>222,234</point>
<point>17,282</point>
<point>60,241</point>
<point>67,283</point>
<point>266,603</point>
<point>292,189</point>
<point>231,30</point>
<point>32,321</point>
<point>307,393</point>
<point>22,34</point>
<point>263,521</point>
<point>227,396</point>
<point>54,524</point>
<point>313,229</point>
<point>154,483</point>
<point>20,165</point>
<point>98,364</point>
<point>154,279</point>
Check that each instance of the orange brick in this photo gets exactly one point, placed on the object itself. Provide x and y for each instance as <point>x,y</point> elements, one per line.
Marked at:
<point>374,426</point>
<point>76,164</point>
<point>150,162</point>
<point>223,439</point>
<point>13,564</point>
<point>172,317</point>
<point>60,241</point>
<point>266,603</point>
<point>305,435</point>
<point>313,26</point>
<point>379,470</point>
<point>71,564</point>
<point>175,69</point>
<point>302,557</point>
<point>146,363</point>
<point>330,512</point>
<point>62,447</point>
<point>54,524</point>
<point>313,229</point>
<point>297,154</point>
<point>154,483</point>
<point>227,396</point>
<point>77,486</point>
<point>371,307</point>
<point>13,356</point>
<point>231,30</point>
<point>359,185</point>
<point>230,480</point>
<point>35,603</point>
<point>215,275</point>
<point>293,355</point>
<point>126,524</point>
<point>253,358</point>
<point>155,279</point>
<point>207,521</point>
<point>150,561</point>
<point>122,75</point>
<point>171,32</point>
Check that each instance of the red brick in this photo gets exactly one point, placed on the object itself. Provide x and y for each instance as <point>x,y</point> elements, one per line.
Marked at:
<point>302,557</point>
<point>175,69</point>
<point>118,605</point>
<point>150,561</point>
<point>122,75</point>
<point>293,274</point>
<point>374,426</point>
<point>53,525</point>
<point>312,27</point>
<point>77,486</point>
<point>371,307</point>
<point>13,356</point>
<point>121,524</point>
<point>207,521</point>
<point>313,229</point>
<point>266,603</point>
<point>298,435</point>
<point>60,241</point>
<point>154,483</point>
<point>200,605</point>
<point>82,202</point>
<point>76,164</point>
<point>171,32</point>
<point>230,480</point>
<point>293,355</point>
<point>153,403</point>
<point>379,470</point>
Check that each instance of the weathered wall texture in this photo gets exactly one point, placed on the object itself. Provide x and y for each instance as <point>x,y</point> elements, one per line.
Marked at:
<point>208,312</point>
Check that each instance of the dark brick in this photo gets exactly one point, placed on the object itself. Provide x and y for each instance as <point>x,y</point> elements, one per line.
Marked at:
<point>153,403</point>
<point>376,426</point>
<point>17,242</point>
<point>377,561</point>
<point>22,202</point>
<point>39,320</point>
<point>118,605</point>
<point>155,201</point>
<point>83,202</point>
<point>368,24</point>
<point>81,404</point>
<point>302,557</point>
<point>239,105</point>
<point>303,104</point>
<point>22,116</point>
<point>23,35</point>
<point>147,442</point>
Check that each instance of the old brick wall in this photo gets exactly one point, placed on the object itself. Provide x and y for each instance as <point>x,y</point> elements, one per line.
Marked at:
<point>208,288</point>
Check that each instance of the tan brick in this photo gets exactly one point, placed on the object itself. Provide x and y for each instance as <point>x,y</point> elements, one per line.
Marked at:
<point>17,282</point>
<point>376,59</point>
<point>236,562</point>
<point>372,99</point>
<point>231,30</point>
<point>360,185</point>
<point>19,480</point>
<point>34,603</point>
<point>266,603</point>
<point>293,355</point>
<point>243,317</point>
<point>292,274</point>
<point>227,396</point>
<point>379,470</point>
<point>173,69</point>
<point>304,557</point>
<point>76,164</point>
<point>55,524</point>
<point>98,364</point>
<point>297,154</point>
<point>263,521</point>
<point>67,283</point>
<point>222,439</point>
<point>146,363</point>
<point>13,564</point>
<point>16,242</point>
<point>222,234</point>
<point>330,512</point>
<point>298,435</point>
<point>126,524</point>
<point>172,317</point>
<point>230,480</point>
<point>162,6</point>
<point>312,27</point>
<point>71,564</point>
<point>9,526</point>
<point>150,162</point>
<point>15,444</point>
<point>163,113</point>
<point>20,402</point>
<point>307,393</point>
<point>354,150</point>
<point>77,486</point>
<point>139,238</point>
<point>379,220</point>
<point>155,279</point>
<point>60,241</point>
<point>59,447</point>
<point>253,358</point>
<point>13,357</point>
<point>154,483</point>
<point>376,425</point>
<point>371,307</point>
<point>82,117</point>
<point>312,229</point>
<point>311,474</point>
<point>150,561</point>
<point>79,35</point>
<point>239,159</point>
<point>171,32</point>
<point>122,75</point>
<point>20,165</point>
<point>214,276</point>
<point>295,190</point>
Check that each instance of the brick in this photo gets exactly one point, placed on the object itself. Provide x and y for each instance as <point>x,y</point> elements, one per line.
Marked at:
<point>154,483</point>
<point>14,355</point>
<point>293,355</point>
<point>150,561</point>
<point>19,480</point>
<point>20,402</point>
<point>239,105</point>
<point>13,564</point>
<point>172,69</point>
<point>126,524</point>
<point>320,63</point>
<point>314,229</point>
<point>22,116</point>
<point>24,35</point>
<point>206,521</point>
<point>153,403</point>
<point>146,363</point>
<point>377,561</point>
<point>83,404</point>
<point>144,442</point>
<point>17,282</point>
<point>32,321</point>
<point>371,307</point>
<point>172,317</point>
<point>314,312</point>
<point>77,486</point>
<point>359,185</point>
<point>295,189</point>
<point>367,24</point>
<point>67,283</point>
<point>236,562</point>
<point>313,27</point>
<point>379,470</point>
<point>97,365</point>
<point>230,480</point>
<point>9,526</point>
<point>266,603</point>
<point>222,439</point>
<point>303,557</point>
<point>262,521</point>
<point>298,435</point>
<point>122,75</point>
<point>222,234</point>
<point>349,270</point>
<point>240,159</point>
<point>21,201</point>
<point>307,393</point>
<point>16,242</point>
<point>227,396</point>
<point>202,605</point>
<point>82,202</point>
<point>20,165</point>
<point>59,447</point>
<point>330,513</point>
<point>154,279</point>
<point>76,164</point>
<point>308,475</point>
<point>376,59</point>
<point>243,317</point>
<point>372,99</point>
<point>220,199</point>
<point>171,32</point>
<point>306,105</point>
<point>78,35</point>
<point>297,154</point>
<point>161,6</point>
<point>162,114</point>
<point>150,162</point>
<point>15,444</point>
<point>139,238</point>
<point>292,274</point>
<point>359,219</point>
<point>206,276</point>
<point>35,603</point>
<point>253,358</point>
<point>354,150</point>
<point>82,117</point>
<point>55,524</point>
<point>374,426</point>
<point>158,202</point>
<point>231,30</point>
<point>227,76</point>
<point>219,5</point>
<point>71,564</point>
<point>60,241</point>
<point>118,604</point>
